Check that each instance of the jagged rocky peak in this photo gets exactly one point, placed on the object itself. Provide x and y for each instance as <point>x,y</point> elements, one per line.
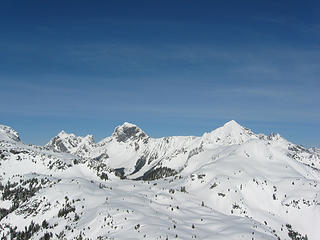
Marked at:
<point>128,131</point>
<point>8,134</point>
<point>230,133</point>
<point>275,136</point>
<point>65,142</point>
<point>89,138</point>
<point>64,134</point>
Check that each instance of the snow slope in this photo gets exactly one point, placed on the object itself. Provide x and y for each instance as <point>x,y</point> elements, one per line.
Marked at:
<point>227,184</point>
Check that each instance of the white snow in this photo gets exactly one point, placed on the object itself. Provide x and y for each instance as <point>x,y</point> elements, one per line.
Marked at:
<point>8,134</point>
<point>228,184</point>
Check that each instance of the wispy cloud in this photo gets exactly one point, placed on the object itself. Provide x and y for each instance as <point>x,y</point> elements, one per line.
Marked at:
<point>275,19</point>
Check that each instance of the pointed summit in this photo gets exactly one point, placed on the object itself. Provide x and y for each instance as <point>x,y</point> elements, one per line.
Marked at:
<point>232,123</point>
<point>128,131</point>
<point>63,134</point>
<point>230,133</point>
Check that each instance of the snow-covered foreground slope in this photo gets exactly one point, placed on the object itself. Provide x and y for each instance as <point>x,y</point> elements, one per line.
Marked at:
<point>227,184</point>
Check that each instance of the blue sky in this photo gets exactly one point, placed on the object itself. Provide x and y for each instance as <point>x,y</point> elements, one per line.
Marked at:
<point>172,67</point>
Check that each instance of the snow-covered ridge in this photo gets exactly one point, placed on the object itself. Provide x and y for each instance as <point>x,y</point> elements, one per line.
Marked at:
<point>230,133</point>
<point>229,183</point>
<point>130,149</point>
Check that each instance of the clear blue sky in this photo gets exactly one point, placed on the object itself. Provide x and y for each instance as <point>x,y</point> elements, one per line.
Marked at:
<point>172,67</point>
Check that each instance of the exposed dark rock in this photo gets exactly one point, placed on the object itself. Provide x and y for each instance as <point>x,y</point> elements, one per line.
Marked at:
<point>101,157</point>
<point>119,172</point>
<point>56,141</point>
<point>128,131</point>
<point>294,235</point>
<point>157,173</point>
<point>139,164</point>
<point>104,176</point>
<point>17,151</point>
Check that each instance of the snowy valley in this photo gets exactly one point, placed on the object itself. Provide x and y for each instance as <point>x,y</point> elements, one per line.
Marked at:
<point>230,183</point>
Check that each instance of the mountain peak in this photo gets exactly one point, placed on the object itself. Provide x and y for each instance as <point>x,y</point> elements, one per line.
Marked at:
<point>128,131</point>
<point>62,133</point>
<point>230,133</point>
<point>232,123</point>
<point>8,134</point>
<point>127,124</point>
<point>68,142</point>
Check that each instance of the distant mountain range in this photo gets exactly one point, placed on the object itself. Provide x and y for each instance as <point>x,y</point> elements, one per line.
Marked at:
<point>230,183</point>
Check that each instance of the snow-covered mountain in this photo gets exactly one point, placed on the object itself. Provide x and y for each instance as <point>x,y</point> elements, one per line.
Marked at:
<point>226,184</point>
<point>8,134</point>
<point>64,142</point>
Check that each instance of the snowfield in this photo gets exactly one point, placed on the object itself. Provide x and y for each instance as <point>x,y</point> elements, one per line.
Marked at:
<point>227,184</point>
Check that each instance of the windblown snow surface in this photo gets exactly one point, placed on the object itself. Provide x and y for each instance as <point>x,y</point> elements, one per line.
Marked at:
<point>227,184</point>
